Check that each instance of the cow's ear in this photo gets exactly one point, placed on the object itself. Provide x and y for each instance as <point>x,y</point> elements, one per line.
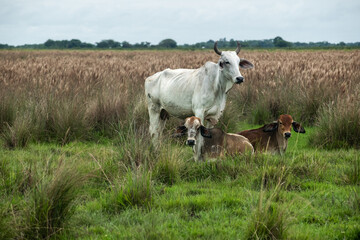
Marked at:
<point>180,131</point>
<point>298,128</point>
<point>221,64</point>
<point>270,127</point>
<point>245,64</point>
<point>205,132</point>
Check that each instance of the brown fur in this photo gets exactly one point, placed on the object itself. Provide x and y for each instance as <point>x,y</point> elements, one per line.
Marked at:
<point>271,137</point>
<point>261,140</point>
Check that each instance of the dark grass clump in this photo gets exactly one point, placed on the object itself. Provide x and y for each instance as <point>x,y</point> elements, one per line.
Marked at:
<point>7,224</point>
<point>135,146</point>
<point>64,121</point>
<point>105,110</point>
<point>51,203</point>
<point>135,190</point>
<point>170,164</point>
<point>269,219</point>
<point>7,111</point>
<point>18,134</point>
<point>338,125</point>
<point>352,175</point>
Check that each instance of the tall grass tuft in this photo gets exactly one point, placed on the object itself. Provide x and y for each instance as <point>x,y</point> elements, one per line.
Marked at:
<point>51,204</point>
<point>7,224</point>
<point>105,110</point>
<point>135,146</point>
<point>269,220</point>
<point>135,190</point>
<point>169,166</point>
<point>65,121</point>
<point>339,124</point>
<point>7,111</point>
<point>352,175</point>
<point>18,134</point>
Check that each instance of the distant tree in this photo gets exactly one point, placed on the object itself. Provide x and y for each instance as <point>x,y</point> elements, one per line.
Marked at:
<point>74,43</point>
<point>232,43</point>
<point>87,45</point>
<point>49,43</point>
<point>108,44</point>
<point>168,43</point>
<point>279,42</point>
<point>126,44</point>
<point>4,46</point>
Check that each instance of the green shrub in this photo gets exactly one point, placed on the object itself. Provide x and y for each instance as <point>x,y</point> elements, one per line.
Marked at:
<point>64,121</point>
<point>7,225</point>
<point>7,111</point>
<point>18,134</point>
<point>269,219</point>
<point>51,204</point>
<point>135,190</point>
<point>338,125</point>
<point>169,165</point>
<point>352,174</point>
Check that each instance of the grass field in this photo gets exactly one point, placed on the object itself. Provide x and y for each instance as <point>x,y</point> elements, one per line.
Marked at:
<point>76,161</point>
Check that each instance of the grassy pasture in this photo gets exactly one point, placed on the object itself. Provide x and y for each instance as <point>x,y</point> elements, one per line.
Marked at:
<point>76,161</point>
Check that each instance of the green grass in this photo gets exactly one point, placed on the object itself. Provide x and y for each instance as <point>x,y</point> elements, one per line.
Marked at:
<point>308,193</point>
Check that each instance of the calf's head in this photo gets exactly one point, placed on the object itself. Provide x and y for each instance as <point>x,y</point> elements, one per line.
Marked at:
<point>193,127</point>
<point>283,126</point>
<point>229,64</point>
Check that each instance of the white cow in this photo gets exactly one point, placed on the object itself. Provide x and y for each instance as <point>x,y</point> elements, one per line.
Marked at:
<point>187,92</point>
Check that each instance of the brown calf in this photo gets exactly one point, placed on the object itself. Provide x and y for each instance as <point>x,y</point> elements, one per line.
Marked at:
<point>216,142</point>
<point>273,137</point>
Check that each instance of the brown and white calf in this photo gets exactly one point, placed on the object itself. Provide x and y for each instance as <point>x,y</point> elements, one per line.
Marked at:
<point>273,137</point>
<point>216,141</point>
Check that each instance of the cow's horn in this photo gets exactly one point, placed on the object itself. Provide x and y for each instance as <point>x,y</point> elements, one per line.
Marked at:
<point>216,49</point>
<point>238,48</point>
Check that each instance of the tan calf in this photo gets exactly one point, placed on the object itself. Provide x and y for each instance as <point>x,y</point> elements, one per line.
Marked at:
<point>216,142</point>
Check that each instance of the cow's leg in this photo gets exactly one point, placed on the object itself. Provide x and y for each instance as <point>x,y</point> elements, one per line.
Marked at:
<point>198,148</point>
<point>157,123</point>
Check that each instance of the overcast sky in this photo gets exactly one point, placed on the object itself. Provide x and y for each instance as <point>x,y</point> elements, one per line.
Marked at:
<point>185,21</point>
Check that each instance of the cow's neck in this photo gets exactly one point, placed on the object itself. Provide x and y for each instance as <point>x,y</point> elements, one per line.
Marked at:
<point>282,142</point>
<point>224,84</point>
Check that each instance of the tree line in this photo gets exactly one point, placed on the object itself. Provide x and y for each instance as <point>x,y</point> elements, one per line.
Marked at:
<point>277,42</point>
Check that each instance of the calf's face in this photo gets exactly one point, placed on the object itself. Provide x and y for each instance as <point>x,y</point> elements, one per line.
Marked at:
<point>192,127</point>
<point>283,126</point>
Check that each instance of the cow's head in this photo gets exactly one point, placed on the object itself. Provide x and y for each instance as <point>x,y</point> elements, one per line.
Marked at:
<point>283,126</point>
<point>229,64</point>
<point>193,127</point>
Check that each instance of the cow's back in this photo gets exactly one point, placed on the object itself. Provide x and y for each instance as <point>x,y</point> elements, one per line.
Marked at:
<point>173,90</point>
<point>237,144</point>
<point>259,139</point>
<point>221,142</point>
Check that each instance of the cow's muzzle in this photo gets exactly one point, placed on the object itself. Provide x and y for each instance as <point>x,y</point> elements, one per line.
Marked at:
<point>239,80</point>
<point>287,135</point>
<point>191,142</point>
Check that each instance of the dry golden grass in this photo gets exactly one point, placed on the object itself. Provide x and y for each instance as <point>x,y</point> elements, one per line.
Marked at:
<point>104,87</point>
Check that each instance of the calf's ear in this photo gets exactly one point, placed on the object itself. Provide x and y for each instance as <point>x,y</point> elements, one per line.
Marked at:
<point>245,64</point>
<point>205,132</point>
<point>298,128</point>
<point>270,127</point>
<point>180,131</point>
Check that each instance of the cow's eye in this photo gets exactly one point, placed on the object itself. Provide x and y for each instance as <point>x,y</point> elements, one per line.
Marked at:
<point>280,122</point>
<point>227,62</point>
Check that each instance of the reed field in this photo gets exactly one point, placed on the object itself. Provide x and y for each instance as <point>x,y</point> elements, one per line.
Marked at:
<point>77,162</point>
